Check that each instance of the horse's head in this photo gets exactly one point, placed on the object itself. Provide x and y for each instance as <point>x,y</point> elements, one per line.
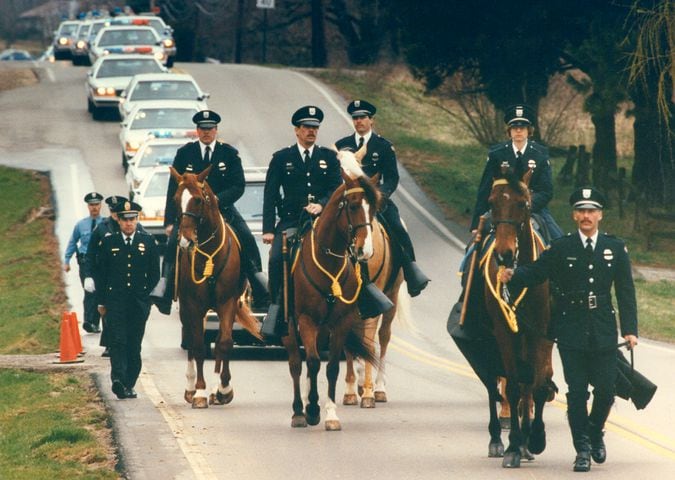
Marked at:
<point>510,204</point>
<point>196,204</point>
<point>360,200</point>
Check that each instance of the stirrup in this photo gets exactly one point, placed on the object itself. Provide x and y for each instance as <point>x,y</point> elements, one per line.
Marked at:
<point>415,278</point>
<point>373,302</point>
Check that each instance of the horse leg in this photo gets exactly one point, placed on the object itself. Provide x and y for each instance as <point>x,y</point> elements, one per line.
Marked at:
<point>191,376</point>
<point>224,393</point>
<point>505,408</point>
<point>337,341</point>
<point>525,413</point>
<point>512,455</point>
<point>349,397</point>
<point>536,442</point>
<point>496,447</point>
<point>309,333</point>
<point>295,367</point>
<point>384,337</point>
<point>368,397</point>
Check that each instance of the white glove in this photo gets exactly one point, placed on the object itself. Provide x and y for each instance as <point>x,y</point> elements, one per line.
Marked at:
<point>89,285</point>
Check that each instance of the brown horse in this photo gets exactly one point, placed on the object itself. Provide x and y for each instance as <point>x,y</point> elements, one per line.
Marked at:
<point>523,345</point>
<point>326,282</point>
<point>208,277</point>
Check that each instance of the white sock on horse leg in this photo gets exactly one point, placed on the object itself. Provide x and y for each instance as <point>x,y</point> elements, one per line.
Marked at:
<point>191,375</point>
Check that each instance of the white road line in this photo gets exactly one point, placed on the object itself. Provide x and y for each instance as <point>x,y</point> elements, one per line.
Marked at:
<point>406,195</point>
<point>50,75</point>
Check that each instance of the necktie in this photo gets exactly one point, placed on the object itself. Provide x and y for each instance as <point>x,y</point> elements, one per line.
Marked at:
<point>128,240</point>
<point>360,143</point>
<point>306,157</point>
<point>589,245</point>
<point>93,224</point>
<point>207,154</point>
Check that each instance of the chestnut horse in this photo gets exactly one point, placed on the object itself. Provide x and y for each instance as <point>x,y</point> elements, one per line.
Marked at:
<point>326,283</point>
<point>208,277</point>
<point>523,345</point>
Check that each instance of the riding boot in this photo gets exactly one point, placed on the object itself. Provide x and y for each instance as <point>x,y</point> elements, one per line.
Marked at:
<point>596,424</point>
<point>372,301</point>
<point>274,324</point>
<point>258,281</point>
<point>415,278</point>
<point>162,294</point>
<point>577,416</point>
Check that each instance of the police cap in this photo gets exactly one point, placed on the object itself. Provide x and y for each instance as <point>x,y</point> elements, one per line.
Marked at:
<point>308,115</point>
<point>206,119</point>
<point>93,198</point>
<point>127,209</point>
<point>113,200</point>
<point>587,198</point>
<point>519,115</point>
<point>361,108</point>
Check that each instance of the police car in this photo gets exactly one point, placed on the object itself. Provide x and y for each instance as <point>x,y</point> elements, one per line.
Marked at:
<point>64,38</point>
<point>154,152</point>
<point>164,31</point>
<point>110,75</point>
<point>169,86</point>
<point>159,118</point>
<point>127,40</point>
<point>250,207</point>
<point>151,195</point>
<point>79,49</point>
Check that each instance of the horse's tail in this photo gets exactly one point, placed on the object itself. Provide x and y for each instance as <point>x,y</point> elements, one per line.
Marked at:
<point>355,344</point>
<point>403,316</point>
<point>246,319</point>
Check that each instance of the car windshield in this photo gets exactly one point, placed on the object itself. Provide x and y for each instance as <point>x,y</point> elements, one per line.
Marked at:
<point>157,25</point>
<point>127,37</point>
<point>67,29</point>
<point>250,203</point>
<point>96,28</point>
<point>164,90</point>
<point>149,118</point>
<point>83,31</point>
<point>157,185</point>
<point>154,155</point>
<point>127,68</point>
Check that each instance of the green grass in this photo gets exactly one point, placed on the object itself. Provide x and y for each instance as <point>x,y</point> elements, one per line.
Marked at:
<point>51,424</point>
<point>31,291</point>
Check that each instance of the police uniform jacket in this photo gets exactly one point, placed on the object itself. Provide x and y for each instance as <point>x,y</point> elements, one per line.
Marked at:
<point>79,240</point>
<point>584,316</point>
<point>226,177</point>
<point>288,173</point>
<point>380,158</point>
<point>105,228</point>
<point>541,183</point>
<point>125,272</point>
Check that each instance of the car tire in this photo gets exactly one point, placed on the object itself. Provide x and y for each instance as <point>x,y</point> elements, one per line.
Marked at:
<point>90,106</point>
<point>96,112</point>
<point>169,62</point>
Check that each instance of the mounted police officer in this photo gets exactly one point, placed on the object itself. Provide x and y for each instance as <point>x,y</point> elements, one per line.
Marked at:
<point>226,179</point>
<point>300,180</point>
<point>78,245</point>
<point>380,158</point>
<point>127,271</point>
<point>520,153</point>
<point>583,266</point>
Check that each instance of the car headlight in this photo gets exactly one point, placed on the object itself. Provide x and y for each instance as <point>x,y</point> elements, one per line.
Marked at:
<point>63,41</point>
<point>132,146</point>
<point>105,91</point>
<point>159,55</point>
<point>81,44</point>
<point>168,43</point>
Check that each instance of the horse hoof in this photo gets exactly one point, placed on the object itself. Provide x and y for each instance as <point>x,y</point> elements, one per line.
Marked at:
<point>367,402</point>
<point>200,402</point>
<point>511,460</point>
<point>526,454</point>
<point>349,399</point>
<point>505,423</point>
<point>313,420</point>
<point>496,450</point>
<point>333,425</point>
<point>221,398</point>
<point>381,397</point>
<point>537,442</point>
<point>298,421</point>
<point>189,395</point>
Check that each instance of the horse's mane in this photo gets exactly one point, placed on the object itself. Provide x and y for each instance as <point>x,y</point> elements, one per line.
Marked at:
<point>373,195</point>
<point>515,183</point>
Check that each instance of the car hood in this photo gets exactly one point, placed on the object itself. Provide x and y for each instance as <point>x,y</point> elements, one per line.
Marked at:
<point>118,83</point>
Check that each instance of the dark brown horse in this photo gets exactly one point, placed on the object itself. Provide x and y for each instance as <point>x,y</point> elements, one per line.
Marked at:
<point>208,278</point>
<point>327,282</point>
<point>523,345</point>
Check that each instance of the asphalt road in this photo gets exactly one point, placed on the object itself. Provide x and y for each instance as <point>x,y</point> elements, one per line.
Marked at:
<point>435,424</point>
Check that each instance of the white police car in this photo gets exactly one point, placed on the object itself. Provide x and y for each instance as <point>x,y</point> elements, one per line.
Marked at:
<point>64,38</point>
<point>154,152</point>
<point>151,195</point>
<point>110,75</point>
<point>79,49</point>
<point>157,23</point>
<point>159,118</point>
<point>169,86</point>
<point>127,40</point>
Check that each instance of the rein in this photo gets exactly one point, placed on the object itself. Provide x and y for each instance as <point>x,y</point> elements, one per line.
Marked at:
<point>208,267</point>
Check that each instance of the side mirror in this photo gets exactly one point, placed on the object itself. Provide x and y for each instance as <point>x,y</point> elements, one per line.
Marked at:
<point>205,96</point>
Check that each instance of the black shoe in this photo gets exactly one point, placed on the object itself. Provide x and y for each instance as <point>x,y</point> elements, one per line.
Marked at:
<point>130,393</point>
<point>106,352</point>
<point>598,450</point>
<point>583,462</point>
<point>95,328</point>
<point>88,327</point>
<point>119,389</point>
<point>164,306</point>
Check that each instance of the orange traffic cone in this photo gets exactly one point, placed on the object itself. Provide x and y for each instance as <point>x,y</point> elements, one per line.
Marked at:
<point>67,348</point>
<point>77,340</point>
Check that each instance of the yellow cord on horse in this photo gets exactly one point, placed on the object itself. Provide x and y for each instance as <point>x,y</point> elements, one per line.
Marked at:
<point>507,310</point>
<point>336,288</point>
<point>208,268</point>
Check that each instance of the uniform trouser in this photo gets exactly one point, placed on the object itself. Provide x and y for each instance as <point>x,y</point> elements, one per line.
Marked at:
<point>276,265</point>
<point>397,231</point>
<point>125,319</point>
<point>582,368</point>
<point>90,304</point>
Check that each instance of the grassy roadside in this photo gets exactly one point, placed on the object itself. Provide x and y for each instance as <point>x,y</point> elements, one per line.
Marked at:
<point>438,153</point>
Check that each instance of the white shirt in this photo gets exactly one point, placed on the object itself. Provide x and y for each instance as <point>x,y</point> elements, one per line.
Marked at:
<point>594,238</point>
<point>516,149</point>
<point>124,237</point>
<point>302,151</point>
<point>366,137</point>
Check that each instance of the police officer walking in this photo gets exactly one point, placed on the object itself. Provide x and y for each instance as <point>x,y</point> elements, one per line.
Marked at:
<point>78,245</point>
<point>300,180</point>
<point>583,266</point>
<point>520,153</point>
<point>226,179</point>
<point>127,271</point>
<point>380,158</point>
